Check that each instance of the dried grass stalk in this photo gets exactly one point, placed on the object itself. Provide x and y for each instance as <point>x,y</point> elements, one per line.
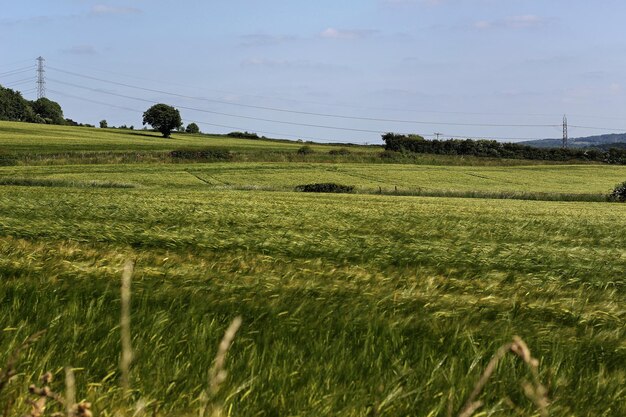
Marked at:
<point>535,390</point>
<point>127,351</point>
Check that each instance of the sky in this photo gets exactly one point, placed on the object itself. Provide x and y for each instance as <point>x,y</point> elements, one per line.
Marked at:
<point>329,70</point>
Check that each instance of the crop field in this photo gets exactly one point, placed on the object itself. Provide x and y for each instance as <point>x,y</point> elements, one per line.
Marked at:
<point>542,179</point>
<point>352,304</point>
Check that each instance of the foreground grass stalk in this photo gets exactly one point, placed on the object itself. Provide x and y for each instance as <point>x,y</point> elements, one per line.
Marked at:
<point>218,373</point>
<point>127,351</point>
<point>38,406</point>
<point>535,391</point>
<point>470,405</point>
<point>70,391</point>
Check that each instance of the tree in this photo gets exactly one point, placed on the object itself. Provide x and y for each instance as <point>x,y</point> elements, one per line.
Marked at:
<point>103,124</point>
<point>163,118</point>
<point>14,107</point>
<point>192,128</point>
<point>49,110</point>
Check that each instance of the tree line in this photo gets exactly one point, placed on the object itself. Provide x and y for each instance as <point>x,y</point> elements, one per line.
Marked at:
<point>494,149</point>
<point>14,107</point>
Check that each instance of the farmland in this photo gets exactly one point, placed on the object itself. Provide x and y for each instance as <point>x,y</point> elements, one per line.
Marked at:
<point>352,304</point>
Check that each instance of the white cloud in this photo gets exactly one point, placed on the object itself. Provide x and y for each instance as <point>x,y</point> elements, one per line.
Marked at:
<point>261,39</point>
<point>332,33</point>
<point>102,9</point>
<point>80,50</point>
<point>511,22</point>
<point>299,64</point>
<point>615,88</point>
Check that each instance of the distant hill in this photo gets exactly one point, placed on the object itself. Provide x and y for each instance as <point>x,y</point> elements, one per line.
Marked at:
<point>615,140</point>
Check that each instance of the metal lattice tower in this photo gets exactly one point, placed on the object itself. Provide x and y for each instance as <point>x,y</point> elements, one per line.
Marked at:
<point>41,81</point>
<point>565,132</point>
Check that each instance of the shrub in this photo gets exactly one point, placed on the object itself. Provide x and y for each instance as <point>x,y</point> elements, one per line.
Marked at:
<point>192,128</point>
<point>619,193</point>
<point>243,135</point>
<point>211,154</point>
<point>328,187</point>
<point>340,151</point>
<point>305,150</point>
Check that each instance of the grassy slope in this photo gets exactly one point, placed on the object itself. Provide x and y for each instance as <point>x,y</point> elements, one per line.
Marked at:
<point>350,302</point>
<point>32,138</point>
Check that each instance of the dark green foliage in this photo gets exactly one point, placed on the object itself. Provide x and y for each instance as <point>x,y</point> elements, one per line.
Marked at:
<point>50,182</point>
<point>163,118</point>
<point>192,128</point>
<point>327,187</point>
<point>103,124</point>
<point>70,122</point>
<point>48,110</point>
<point>6,159</point>
<point>243,135</point>
<point>209,154</point>
<point>305,150</point>
<point>619,193</point>
<point>14,107</point>
<point>340,151</point>
<point>495,149</point>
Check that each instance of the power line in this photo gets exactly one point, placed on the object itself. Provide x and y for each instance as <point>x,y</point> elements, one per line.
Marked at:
<point>371,119</point>
<point>608,129</point>
<point>16,71</point>
<point>313,125</point>
<point>326,104</point>
<point>22,81</point>
<point>195,121</point>
<point>227,114</point>
<point>12,64</point>
<point>254,130</point>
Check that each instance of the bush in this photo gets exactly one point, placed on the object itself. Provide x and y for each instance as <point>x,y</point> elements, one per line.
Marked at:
<point>212,154</point>
<point>328,187</point>
<point>243,135</point>
<point>305,150</point>
<point>340,151</point>
<point>619,193</point>
<point>192,128</point>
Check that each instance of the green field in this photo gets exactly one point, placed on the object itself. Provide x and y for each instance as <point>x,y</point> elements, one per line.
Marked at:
<point>352,304</point>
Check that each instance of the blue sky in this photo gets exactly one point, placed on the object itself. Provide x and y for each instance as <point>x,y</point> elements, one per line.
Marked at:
<point>282,68</point>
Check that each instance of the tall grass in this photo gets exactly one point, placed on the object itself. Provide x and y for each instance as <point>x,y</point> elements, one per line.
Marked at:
<point>352,304</point>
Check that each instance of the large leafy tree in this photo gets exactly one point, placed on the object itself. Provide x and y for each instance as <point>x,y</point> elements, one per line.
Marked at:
<point>14,107</point>
<point>163,118</point>
<point>49,110</point>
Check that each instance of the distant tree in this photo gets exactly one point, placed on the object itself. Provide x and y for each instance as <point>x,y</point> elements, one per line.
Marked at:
<point>192,128</point>
<point>49,110</point>
<point>103,124</point>
<point>163,118</point>
<point>14,107</point>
